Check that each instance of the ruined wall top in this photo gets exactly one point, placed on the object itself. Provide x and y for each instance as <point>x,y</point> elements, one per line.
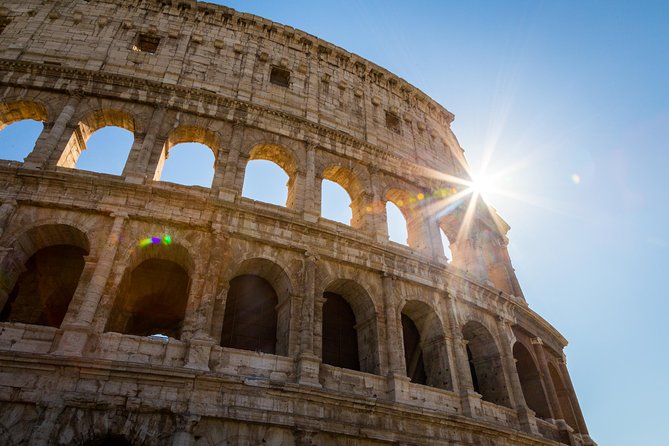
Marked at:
<point>235,55</point>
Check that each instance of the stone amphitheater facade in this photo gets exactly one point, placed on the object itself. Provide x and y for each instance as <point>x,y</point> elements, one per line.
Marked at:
<point>282,327</point>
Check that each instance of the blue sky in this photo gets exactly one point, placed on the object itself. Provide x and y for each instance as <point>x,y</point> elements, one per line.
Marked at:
<point>554,90</point>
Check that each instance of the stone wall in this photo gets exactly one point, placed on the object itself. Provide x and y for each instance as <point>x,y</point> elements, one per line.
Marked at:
<point>181,71</point>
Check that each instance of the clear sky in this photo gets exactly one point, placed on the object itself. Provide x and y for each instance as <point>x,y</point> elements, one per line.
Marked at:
<point>567,103</point>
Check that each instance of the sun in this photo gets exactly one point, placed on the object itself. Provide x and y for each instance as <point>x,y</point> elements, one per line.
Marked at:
<point>481,185</point>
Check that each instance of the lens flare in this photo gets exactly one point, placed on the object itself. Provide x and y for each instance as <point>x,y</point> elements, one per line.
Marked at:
<point>165,240</point>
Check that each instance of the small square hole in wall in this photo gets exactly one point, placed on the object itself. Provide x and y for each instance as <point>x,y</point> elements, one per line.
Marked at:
<point>146,43</point>
<point>280,76</point>
<point>393,122</point>
<point>4,21</point>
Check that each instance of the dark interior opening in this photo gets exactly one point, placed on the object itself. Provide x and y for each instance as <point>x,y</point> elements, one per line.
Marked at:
<point>147,43</point>
<point>154,300</point>
<point>340,338</point>
<point>250,315</point>
<point>413,352</point>
<point>279,76</point>
<point>393,122</point>
<point>44,290</point>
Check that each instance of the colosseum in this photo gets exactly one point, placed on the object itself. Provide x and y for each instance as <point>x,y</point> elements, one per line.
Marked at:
<point>136,311</point>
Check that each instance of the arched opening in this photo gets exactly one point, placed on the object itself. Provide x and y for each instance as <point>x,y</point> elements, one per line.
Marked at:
<point>257,308</point>
<point>340,339</point>
<point>446,243</point>
<point>270,166</point>
<point>189,156</point>
<point>21,123</point>
<point>40,273</point>
<point>335,202</point>
<point>153,295</point>
<point>106,150</point>
<point>18,139</point>
<point>265,181</point>
<point>342,196</point>
<point>485,364</point>
<point>44,290</point>
<point>563,397</point>
<point>349,335</point>
<point>413,353</point>
<point>250,315</point>
<point>397,224</point>
<point>530,381</point>
<point>425,354</point>
<point>190,164</point>
<point>112,146</point>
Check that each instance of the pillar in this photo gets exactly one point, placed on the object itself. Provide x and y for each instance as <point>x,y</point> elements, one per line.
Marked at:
<point>76,333</point>
<point>312,198</point>
<point>43,155</point>
<point>395,359</point>
<point>309,363</point>
<point>201,340</point>
<point>135,170</point>
<point>398,381</point>
<point>553,400</point>
<point>470,400</point>
<point>380,220</point>
<point>525,414</point>
<point>228,182</point>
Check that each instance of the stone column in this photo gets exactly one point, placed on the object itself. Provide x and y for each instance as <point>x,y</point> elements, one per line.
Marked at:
<point>135,170</point>
<point>470,400</point>
<point>218,315</point>
<point>201,342</point>
<point>554,401</point>
<point>76,334</point>
<point>311,203</point>
<point>228,186</point>
<point>398,382</point>
<point>394,340</point>
<point>309,363</point>
<point>434,236</point>
<point>380,220</point>
<point>572,397</point>
<point>47,142</point>
<point>525,414</point>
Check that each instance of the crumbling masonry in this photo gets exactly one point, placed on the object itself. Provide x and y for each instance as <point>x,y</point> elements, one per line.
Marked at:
<point>277,326</point>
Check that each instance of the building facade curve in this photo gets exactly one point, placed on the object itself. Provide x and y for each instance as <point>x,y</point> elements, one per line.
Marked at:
<point>142,312</point>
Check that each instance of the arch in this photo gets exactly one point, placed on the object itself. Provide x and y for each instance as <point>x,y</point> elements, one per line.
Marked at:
<point>194,140</point>
<point>530,381</point>
<point>349,182</point>
<point>278,154</point>
<point>350,335</point>
<point>257,308</point>
<point>282,157</point>
<point>41,274</point>
<point>153,292</point>
<point>399,226</point>
<point>21,123</point>
<point>89,124</point>
<point>15,111</point>
<point>485,364</point>
<point>425,354</point>
<point>563,397</point>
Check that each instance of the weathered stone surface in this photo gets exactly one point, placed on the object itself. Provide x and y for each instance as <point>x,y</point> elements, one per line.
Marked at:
<point>447,352</point>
